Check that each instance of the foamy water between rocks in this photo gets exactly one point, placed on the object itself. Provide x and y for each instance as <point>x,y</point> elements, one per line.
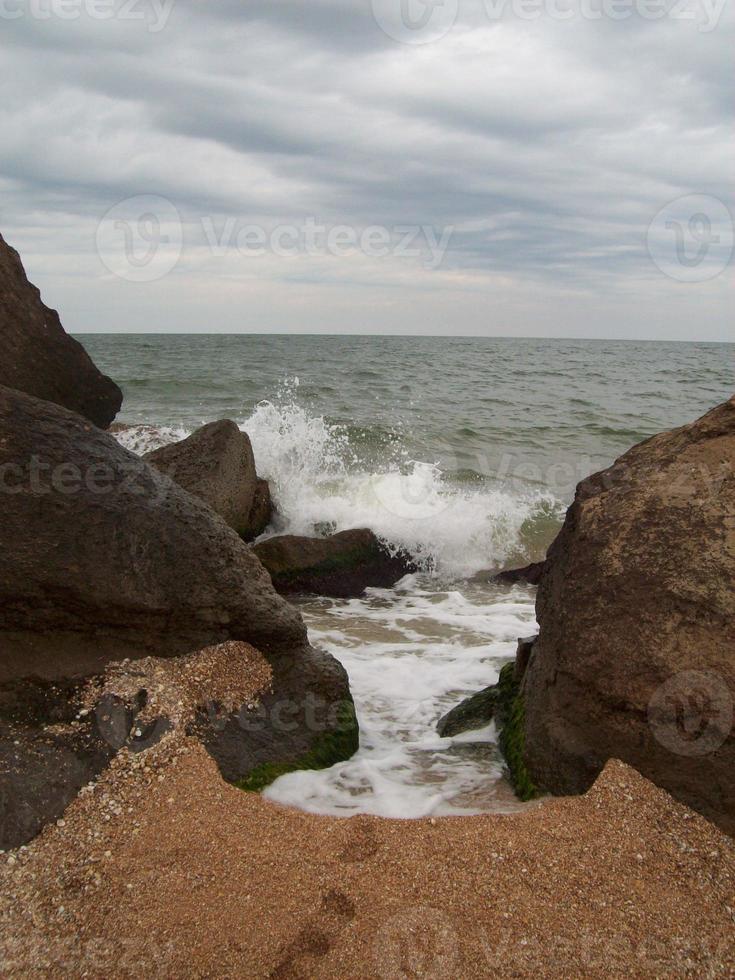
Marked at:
<point>462,451</point>
<point>411,652</point>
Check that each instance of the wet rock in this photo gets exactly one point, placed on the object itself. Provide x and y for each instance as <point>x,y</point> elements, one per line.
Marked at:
<point>216,464</point>
<point>340,565</point>
<point>261,511</point>
<point>474,712</point>
<point>306,721</point>
<point>528,573</point>
<point>38,357</point>
<point>636,609</point>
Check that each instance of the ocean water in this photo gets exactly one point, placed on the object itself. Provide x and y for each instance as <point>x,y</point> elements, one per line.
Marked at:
<point>465,451</point>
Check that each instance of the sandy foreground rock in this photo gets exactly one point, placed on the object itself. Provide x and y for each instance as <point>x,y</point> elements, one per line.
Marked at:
<point>165,870</point>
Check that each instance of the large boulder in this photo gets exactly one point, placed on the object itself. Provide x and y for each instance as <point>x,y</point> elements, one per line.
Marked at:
<point>341,565</point>
<point>38,357</point>
<point>636,653</point>
<point>108,569</point>
<point>216,464</point>
<point>104,557</point>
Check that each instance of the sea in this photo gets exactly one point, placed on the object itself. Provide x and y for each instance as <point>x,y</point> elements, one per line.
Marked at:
<point>464,452</point>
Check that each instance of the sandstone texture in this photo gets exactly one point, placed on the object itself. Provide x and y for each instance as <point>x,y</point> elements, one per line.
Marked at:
<point>636,654</point>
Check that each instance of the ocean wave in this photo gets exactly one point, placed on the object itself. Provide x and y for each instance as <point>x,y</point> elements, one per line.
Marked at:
<point>320,478</point>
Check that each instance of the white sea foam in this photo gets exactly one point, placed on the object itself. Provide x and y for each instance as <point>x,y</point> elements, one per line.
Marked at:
<point>317,481</point>
<point>411,654</point>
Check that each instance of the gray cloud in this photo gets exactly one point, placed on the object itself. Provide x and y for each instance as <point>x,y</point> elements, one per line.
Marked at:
<point>548,146</point>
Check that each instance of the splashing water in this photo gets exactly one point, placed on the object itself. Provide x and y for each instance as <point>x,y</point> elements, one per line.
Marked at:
<point>320,481</point>
<point>414,651</point>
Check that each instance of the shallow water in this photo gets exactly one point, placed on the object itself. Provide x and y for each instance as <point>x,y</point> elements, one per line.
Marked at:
<point>463,451</point>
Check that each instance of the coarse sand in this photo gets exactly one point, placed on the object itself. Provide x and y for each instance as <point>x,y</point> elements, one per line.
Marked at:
<point>164,870</point>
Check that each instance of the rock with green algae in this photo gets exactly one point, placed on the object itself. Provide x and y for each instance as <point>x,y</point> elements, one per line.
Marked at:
<point>341,565</point>
<point>327,749</point>
<point>505,703</point>
<point>474,712</point>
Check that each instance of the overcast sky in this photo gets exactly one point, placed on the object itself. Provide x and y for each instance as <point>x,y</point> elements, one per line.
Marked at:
<point>527,168</point>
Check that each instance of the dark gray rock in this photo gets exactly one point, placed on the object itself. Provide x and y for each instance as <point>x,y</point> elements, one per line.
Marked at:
<point>306,721</point>
<point>341,565</point>
<point>261,512</point>
<point>531,574</point>
<point>103,557</point>
<point>38,357</point>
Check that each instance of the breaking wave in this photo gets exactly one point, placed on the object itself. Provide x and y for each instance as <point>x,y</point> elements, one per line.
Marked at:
<point>326,476</point>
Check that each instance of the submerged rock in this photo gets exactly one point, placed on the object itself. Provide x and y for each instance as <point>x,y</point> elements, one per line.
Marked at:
<point>341,565</point>
<point>38,357</point>
<point>504,703</point>
<point>476,711</point>
<point>529,573</point>
<point>636,654</point>
<point>216,464</point>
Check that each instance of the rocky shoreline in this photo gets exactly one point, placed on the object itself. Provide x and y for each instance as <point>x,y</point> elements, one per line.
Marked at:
<point>151,669</point>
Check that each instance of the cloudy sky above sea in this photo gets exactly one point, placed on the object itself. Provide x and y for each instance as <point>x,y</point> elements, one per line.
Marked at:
<point>493,167</point>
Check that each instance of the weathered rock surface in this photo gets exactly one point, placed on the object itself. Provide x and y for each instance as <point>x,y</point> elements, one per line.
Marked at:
<point>341,565</point>
<point>103,557</point>
<point>255,719</point>
<point>636,653</point>
<point>261,511</point>
<point>216,464</point>
<point>38,357</point>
